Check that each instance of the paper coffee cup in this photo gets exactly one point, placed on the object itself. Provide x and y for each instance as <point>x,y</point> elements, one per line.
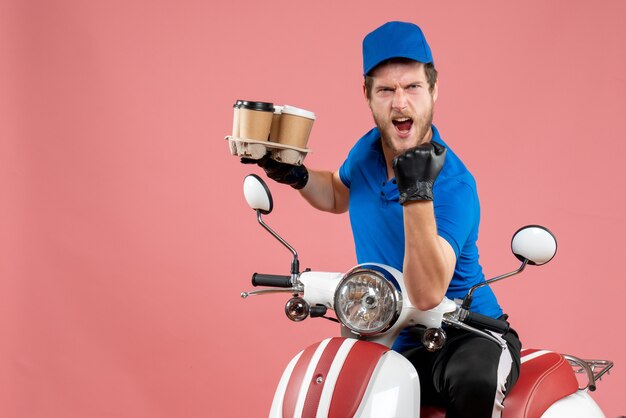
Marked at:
<point>295,126</point>
<point>236,107</point>
<point>255,120</point>
<point>275,123</point>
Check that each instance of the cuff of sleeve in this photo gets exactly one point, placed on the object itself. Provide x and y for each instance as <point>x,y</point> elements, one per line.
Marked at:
<point>452,242</point>
<point>343,177</point>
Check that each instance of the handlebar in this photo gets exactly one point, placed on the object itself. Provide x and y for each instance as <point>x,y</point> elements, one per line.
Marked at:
<point>271,280</point>
<point>485,322</point>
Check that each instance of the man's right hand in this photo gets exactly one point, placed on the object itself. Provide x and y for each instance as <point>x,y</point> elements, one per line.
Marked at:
<point>295,176</point>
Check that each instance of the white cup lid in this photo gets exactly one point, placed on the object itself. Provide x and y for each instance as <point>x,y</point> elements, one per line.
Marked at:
<point>296,111</point>
<point>278,109</point>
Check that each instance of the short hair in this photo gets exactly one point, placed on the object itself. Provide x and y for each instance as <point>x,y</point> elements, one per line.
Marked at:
<point>429,69</point>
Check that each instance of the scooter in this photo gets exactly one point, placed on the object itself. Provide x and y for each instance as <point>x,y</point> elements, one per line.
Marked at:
<point>358,375</point>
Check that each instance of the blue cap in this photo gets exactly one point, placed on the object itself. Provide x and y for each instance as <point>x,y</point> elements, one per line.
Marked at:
<point>395,40</point>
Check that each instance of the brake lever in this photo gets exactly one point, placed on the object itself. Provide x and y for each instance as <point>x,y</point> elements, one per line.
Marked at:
<point>293,290</point>
<point>452,321</point>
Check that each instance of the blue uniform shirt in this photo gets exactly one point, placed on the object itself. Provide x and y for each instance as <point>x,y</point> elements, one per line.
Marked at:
<point>378,227</point>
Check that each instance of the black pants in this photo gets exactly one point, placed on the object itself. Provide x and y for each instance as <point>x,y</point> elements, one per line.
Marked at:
<point>470,375</point>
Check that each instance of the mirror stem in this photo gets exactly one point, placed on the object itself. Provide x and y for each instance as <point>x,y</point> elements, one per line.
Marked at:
<point>295,264</point>
<point>467,301</point>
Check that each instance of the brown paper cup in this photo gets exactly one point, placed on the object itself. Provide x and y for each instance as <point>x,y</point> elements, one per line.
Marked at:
<point>255,120</point>
<point>275,123</point>
<point>236,107</point>
<point>295,126</point>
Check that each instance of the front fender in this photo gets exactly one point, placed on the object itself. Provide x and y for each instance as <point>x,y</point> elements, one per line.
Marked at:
<point>345,377</point>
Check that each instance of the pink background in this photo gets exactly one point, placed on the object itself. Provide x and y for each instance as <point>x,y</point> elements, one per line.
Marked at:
<point>125,238</point>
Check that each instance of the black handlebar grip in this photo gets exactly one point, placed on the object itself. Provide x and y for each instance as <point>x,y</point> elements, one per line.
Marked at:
<point>271,280</point>
<point>485,322</point>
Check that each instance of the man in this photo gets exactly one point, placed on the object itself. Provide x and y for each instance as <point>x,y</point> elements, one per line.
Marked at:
<point>413,205</point>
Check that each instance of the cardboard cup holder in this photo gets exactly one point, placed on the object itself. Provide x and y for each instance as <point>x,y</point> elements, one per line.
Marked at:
<point>255,150</point>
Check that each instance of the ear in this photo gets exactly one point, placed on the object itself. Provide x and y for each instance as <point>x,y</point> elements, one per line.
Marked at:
<point>365,91</point>
<point>435,91</point>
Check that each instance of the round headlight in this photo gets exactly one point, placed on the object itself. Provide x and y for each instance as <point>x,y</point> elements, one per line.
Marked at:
<point>366,302</point>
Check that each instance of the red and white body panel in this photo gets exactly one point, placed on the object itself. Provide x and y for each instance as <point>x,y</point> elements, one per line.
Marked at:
<point>344,377</point>
<point>547,388</point>
<point>552,384</point>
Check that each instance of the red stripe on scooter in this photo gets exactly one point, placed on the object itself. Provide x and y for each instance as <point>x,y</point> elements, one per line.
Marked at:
<point>312,400</point>
<point>296,380</point>
<point>354,378</point>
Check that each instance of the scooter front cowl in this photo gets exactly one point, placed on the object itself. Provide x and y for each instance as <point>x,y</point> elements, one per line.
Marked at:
<point>345,377</point>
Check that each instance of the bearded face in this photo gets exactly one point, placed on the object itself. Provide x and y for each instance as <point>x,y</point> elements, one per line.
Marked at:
<point>402,105</point>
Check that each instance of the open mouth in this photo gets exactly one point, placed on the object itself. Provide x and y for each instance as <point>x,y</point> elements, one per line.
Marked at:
<point>403,125</point>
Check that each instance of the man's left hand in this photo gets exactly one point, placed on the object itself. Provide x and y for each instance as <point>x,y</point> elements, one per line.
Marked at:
<point>416,171</point>
<point>295,176</point>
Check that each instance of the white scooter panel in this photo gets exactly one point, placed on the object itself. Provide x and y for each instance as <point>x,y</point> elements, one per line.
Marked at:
<point>344,377</point>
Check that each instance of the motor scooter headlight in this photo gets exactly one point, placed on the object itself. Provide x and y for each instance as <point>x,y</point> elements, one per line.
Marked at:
<point>366,302</point>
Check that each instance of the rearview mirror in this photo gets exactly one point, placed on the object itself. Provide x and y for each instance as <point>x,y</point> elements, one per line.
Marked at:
<point>257,194</point>
<point>535,244</point>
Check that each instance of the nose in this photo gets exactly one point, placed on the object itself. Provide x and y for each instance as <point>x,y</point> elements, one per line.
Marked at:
<point>399,101</point>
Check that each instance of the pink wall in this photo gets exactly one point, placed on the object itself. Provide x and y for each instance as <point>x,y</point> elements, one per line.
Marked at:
<point>125,240</point>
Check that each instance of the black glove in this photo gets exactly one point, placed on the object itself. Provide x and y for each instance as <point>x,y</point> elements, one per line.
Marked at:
<point>416,171</point>
<point>295,176</point>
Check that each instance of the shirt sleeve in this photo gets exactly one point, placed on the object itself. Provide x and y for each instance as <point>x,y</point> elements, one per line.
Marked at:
<point>456,213</point>
<point>356,154</point>
<point>345,171</point>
